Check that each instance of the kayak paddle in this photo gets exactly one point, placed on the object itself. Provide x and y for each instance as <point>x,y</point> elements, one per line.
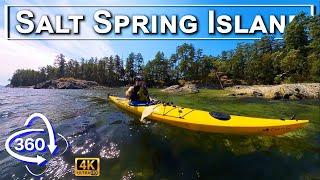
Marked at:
<point>146,112</point>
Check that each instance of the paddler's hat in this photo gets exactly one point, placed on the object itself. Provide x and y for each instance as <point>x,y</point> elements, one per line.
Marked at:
<point>139,78</point>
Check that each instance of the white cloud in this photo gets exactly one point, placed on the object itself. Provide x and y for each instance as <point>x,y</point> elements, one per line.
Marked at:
<point>22,54</point>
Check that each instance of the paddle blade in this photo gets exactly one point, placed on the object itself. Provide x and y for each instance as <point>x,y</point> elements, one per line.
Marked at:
<point>146,112</point>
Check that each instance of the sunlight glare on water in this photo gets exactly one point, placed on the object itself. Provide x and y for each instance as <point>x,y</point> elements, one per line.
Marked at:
<point>110,151</point>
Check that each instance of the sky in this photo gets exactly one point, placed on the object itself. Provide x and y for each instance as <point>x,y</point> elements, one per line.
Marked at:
<point>33,54</point>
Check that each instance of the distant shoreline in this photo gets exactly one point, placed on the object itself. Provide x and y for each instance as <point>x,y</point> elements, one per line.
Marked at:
<point>294,91</point>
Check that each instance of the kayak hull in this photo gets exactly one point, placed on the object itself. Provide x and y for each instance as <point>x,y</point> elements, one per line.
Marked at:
<point>198,120</point>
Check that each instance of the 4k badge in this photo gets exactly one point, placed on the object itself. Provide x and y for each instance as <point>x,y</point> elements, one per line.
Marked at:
<point>87,167</point>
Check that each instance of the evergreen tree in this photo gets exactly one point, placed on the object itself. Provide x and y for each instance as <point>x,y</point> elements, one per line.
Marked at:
<point>129,70</point>
<point>295,35</point>
<point>138,63</point>
<point>186,55</point>
<point>60,63</point>
<point>119,70</point>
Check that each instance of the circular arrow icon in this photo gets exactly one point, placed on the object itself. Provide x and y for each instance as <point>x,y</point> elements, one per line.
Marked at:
<point>29,144</point>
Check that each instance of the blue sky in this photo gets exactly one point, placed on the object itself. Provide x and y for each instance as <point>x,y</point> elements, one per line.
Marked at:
<point>35,53</point>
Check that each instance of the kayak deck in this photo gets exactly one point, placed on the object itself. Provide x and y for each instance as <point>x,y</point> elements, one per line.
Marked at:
<point>198,120</point>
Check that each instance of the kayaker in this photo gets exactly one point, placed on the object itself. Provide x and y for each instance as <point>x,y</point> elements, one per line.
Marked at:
<point>138,94</point>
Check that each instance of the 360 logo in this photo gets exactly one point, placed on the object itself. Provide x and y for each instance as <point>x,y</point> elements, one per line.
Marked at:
<point>17,146</point>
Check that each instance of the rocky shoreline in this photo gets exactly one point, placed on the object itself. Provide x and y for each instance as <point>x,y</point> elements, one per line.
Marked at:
<point>283,91</point>
<point>68,83</point>
<point>183,88</point>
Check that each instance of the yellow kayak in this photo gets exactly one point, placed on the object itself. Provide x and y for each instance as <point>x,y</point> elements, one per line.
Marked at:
<point>198,120</point>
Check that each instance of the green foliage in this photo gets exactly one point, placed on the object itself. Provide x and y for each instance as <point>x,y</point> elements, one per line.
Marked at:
<point>270,61</point>
<point>157,71</point>
<point>205,67</point>
<point>130,67</point>
<point>138,63</point>
<point>107,71</point>
<point>187,63</point>
<point>27,77</point>
<point>314,60</point>
<point>314,27</point>
<point>134,66</point>
<point>60,62</point>
<point>186,57</point>
<point>295,65</point>
<point>277,79</point>
<point>295,33</point>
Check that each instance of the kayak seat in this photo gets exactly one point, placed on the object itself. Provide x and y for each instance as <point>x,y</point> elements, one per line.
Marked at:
<point>220,116</point>
<point>141,103</point>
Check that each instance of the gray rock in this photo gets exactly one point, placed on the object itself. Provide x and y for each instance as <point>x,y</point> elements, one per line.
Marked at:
<point>186,88</point>
<point>257,93</point>
<point>283,91</point>
<point>66,83</point>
